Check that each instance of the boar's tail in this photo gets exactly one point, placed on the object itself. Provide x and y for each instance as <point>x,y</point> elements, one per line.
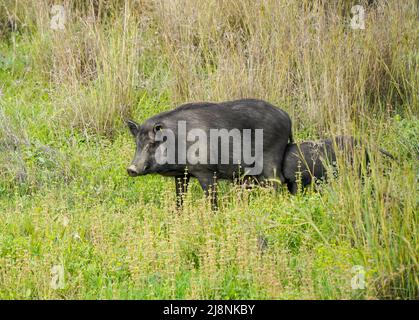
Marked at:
<point>291,138</point>
<point>386,153</point>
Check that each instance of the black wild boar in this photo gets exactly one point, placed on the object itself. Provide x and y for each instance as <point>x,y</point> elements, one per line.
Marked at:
<point>224,130</point>
<point>309,158</point>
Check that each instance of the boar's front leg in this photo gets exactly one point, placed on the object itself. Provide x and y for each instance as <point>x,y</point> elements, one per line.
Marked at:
<point>181,184</point>
<point>208,183</point>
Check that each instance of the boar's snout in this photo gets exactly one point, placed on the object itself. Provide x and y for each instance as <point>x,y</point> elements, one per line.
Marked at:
<point>133,171</point>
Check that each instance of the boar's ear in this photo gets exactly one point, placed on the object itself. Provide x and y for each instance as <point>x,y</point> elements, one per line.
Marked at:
<point>133,127</point>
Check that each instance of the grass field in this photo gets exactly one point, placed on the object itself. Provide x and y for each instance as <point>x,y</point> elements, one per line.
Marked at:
<point>73,225</point>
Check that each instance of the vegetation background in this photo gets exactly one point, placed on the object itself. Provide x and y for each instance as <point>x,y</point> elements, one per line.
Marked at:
<point>73,225</point>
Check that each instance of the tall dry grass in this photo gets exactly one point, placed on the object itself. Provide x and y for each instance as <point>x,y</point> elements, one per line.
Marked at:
<point>301,55</point>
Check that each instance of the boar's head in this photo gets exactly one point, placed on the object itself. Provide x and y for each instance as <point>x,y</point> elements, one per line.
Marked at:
<point>144,161</point>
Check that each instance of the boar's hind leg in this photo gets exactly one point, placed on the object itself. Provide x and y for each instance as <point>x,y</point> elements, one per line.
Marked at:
<point>208,183</point>
<point>181,183</point>
<point>292,187</point>
<point>272,172</point>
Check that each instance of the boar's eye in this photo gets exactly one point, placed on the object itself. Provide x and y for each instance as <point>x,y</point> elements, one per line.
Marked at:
<point>157,127</point>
